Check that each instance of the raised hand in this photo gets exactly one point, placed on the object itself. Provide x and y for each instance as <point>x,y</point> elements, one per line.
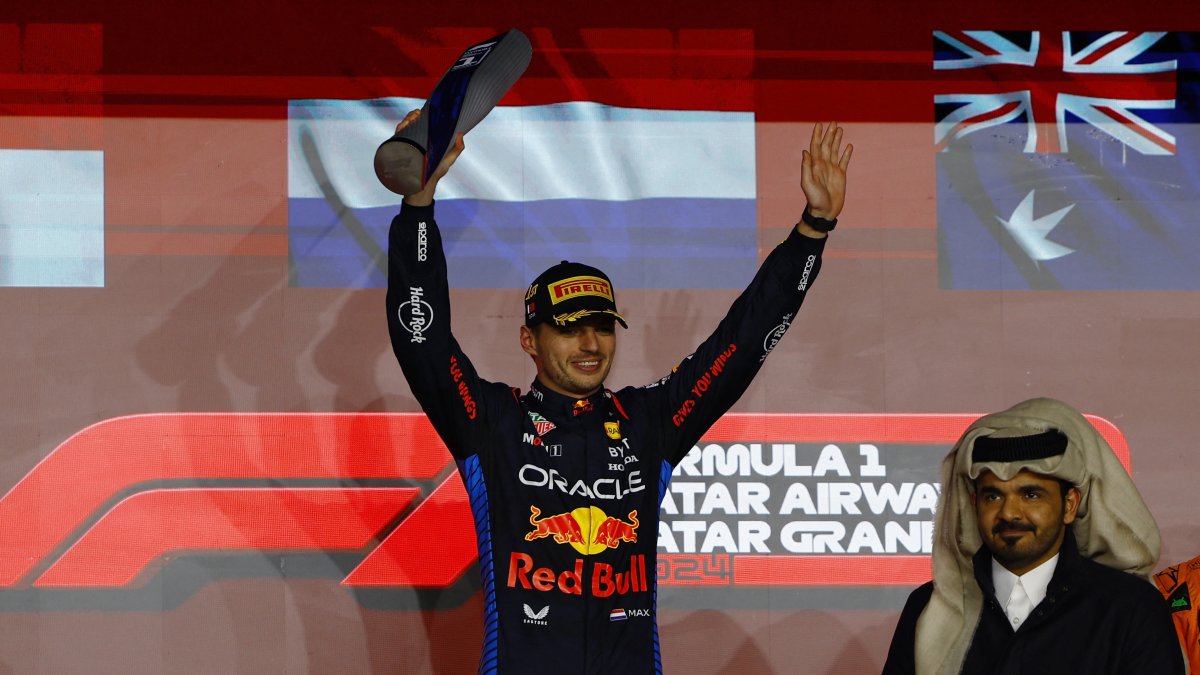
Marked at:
<point>424,197</point>
<point>823,172</point>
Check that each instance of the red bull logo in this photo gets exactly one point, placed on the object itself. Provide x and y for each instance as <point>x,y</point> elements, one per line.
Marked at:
<point>587,529</point>
<point>612,531</point>
<point>606,580</point>
<point>563,527</point>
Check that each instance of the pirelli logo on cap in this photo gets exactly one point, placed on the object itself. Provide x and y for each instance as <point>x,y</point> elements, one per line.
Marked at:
<point>574,287</point>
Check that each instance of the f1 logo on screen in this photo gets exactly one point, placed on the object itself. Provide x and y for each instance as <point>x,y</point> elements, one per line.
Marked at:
<point>764,499</point>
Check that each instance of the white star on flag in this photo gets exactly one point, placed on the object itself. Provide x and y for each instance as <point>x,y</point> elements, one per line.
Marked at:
<point>1030,233</point>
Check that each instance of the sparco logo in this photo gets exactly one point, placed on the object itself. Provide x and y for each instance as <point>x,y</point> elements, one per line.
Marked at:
<point>775,336</point>
<point>422,241</point>
<point>808,265</point>
<point>416,315</point>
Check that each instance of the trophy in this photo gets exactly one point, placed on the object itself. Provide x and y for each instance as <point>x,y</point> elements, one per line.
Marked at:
<point>465,95</point>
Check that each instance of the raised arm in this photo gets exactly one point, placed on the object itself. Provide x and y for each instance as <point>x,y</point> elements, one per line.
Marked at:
<point>708,382</point>
<point>441,377</point>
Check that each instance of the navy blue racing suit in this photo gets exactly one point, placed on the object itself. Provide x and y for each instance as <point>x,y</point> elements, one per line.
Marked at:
<point>565,492</point>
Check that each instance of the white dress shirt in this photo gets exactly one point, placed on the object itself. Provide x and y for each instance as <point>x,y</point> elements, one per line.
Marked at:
<point>1009,588</point>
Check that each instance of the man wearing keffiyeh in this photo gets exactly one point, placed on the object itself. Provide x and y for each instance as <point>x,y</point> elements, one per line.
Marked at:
<point>1042,551</point>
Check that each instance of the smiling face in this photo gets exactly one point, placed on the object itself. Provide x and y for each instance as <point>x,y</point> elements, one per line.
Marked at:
<point>574,359</point>
<point>1023,521</point>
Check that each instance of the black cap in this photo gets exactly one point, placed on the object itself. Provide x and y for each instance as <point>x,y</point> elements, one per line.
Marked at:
<point>568,292</point>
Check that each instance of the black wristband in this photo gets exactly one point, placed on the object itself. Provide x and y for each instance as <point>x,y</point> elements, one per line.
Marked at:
<point>818,224</point>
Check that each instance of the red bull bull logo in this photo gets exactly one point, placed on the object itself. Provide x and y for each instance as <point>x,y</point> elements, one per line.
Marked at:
<point>563,527</point>
<point>612,531</point>
<point>587,529</point>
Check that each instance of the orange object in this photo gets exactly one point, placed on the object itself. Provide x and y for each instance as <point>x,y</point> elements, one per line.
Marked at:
<point>1180,585</point>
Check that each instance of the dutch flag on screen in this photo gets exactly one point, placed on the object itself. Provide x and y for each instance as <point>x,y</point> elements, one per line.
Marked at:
<point>617,615</point>
<point>51,218</point>
<point>656,198</point>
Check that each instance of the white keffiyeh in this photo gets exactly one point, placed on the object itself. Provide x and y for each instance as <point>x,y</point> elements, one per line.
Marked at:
<point>1113,525</point>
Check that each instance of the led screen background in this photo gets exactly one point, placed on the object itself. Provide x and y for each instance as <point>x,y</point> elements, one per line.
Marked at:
<point>152,275</point>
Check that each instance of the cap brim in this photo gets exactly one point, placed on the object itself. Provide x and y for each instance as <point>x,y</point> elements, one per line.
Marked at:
<point>583,313</point>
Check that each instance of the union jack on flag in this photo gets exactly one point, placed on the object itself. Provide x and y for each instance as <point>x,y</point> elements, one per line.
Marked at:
<point>1041,77</point>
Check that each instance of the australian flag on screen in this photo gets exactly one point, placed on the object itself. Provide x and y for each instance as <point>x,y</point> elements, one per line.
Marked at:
<point>1067,160</point>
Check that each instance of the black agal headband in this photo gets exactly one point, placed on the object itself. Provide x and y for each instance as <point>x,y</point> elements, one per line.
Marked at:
<point>1019,448</point>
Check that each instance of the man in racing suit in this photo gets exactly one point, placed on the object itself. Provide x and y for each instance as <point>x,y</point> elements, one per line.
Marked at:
<point>1180,585</point>
<point>565,480</point>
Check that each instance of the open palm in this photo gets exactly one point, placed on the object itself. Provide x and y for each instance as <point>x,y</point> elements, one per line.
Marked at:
<point>823,174</point>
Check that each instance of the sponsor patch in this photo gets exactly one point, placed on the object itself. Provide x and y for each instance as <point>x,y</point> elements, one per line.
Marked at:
<point>808,267</point>
<point>587,529</point>
<point>541,425</point>
<point>606,580</point>
<point>422,242</point>
<point>416,315</point>
<point>613,430</point>
<point>1180,600</point>
<point>621,614</point>
<point>574,287</point>
<point>536,618</point>
<point>775,335</point>
<point>615,488</point>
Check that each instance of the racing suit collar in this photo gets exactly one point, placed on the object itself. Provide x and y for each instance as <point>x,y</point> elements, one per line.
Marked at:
<point>569,405</point>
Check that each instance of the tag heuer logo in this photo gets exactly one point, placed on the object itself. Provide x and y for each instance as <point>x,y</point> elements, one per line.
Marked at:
<point>542,425</point>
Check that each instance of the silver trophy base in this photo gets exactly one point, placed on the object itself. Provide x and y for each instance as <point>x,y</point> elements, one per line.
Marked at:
<point>399,166</point>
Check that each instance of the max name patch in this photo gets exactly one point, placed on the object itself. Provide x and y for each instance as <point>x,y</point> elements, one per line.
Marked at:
<point>576,286</point>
